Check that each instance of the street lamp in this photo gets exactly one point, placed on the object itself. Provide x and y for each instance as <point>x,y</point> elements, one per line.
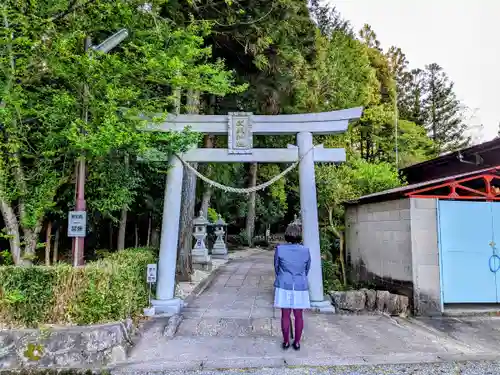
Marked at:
<point>111,42</point>
<point>77,227</point>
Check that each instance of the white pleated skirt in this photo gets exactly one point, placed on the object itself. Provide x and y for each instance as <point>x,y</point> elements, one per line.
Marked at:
<point>291,299</point>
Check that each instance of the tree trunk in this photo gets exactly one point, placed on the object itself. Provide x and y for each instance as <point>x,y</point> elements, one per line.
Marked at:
<point>177,101</point>
<point>48,239</point>
<point>155,238</point>
<point>250,224</point>
<point>110,233</point>
<point>340,235</point>
<point>342,258</point>
<point>187,205</point>
<point>12,226</point>
<point>30,243</point>
<point>9,216</point>
<point>120,243</point>
<point>136,235</point>
<point>205,200</point>
<point>209,142</point>
<point>148,237</point>
<point>207,193</point>
<point>123,218</point>
<point>55,255</point>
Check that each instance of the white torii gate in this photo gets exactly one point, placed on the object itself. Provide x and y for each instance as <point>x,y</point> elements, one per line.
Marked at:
<point>240,128</point>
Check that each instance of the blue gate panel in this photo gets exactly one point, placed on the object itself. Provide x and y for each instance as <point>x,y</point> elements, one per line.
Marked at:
<point>465,236</point>
<point>495,248</point>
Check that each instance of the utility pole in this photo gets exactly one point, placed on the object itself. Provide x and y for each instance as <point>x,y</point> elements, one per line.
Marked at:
<point>80,204</point>
<point>396,128</point>
<point>78,231</point>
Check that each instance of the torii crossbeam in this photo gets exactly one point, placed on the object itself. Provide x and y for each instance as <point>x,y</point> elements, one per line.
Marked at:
<point>240,128</point>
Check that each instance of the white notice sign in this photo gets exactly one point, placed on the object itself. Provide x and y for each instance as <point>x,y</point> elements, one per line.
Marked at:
<point>151,274</point>
<point>77,224</point>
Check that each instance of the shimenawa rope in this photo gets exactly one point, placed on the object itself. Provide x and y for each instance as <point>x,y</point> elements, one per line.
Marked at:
<point>230,189</point>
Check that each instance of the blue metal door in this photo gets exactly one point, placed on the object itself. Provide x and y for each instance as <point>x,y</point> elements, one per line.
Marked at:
<point>466,235</point>
<point>495,245</point>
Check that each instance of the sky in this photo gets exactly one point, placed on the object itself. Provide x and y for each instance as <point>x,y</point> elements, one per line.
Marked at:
<point>460,35</point>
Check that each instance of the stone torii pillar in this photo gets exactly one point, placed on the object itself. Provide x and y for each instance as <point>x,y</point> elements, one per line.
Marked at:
<point>240,127</point>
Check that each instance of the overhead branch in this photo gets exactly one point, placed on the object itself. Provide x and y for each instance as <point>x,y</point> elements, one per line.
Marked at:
<point>71,8</point>
<point>246,23</point>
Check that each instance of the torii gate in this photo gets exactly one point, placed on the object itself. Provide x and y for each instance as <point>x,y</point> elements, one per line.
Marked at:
<point>240,127</point>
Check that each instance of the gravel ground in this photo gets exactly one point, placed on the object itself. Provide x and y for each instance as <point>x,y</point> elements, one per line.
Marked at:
<point>467,368</point>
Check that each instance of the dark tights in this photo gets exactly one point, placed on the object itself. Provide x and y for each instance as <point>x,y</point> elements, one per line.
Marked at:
<point>285,324</point>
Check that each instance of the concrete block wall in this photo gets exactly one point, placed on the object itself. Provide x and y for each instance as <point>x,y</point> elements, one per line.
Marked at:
<point>425,252</point>
<point>378,242</point>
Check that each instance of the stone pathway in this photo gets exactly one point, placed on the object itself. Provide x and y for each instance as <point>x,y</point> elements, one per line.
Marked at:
<point>184,289</point>
<point>237,304</point>
<point>233,324</point>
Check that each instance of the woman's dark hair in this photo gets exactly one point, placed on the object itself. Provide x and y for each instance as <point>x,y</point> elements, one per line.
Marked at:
<point>293,233</point>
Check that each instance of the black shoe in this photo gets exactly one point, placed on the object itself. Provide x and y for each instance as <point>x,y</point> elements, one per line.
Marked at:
<point>285,345</point>
<point>296,346</point>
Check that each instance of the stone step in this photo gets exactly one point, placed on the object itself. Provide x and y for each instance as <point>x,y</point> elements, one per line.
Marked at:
<point>230,327</point>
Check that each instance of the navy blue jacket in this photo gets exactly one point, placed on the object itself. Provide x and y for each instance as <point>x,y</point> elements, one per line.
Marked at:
<point>291,264</point>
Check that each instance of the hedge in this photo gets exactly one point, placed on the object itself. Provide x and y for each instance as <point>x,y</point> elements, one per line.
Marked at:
<point>109,289</point>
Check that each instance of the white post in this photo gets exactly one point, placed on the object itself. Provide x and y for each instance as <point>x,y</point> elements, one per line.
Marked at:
<point>166,303</point>
<point>310,228</point>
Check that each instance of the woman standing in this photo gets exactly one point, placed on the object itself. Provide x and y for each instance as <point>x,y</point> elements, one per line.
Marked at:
<point>291,264</point>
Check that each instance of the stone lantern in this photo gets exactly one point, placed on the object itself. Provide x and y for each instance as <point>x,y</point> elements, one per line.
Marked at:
<point>220,249</point>
<point>296,220</point>
<point>200,250</point>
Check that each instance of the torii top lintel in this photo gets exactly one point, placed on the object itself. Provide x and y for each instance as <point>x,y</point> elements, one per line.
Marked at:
<point>317,123</point>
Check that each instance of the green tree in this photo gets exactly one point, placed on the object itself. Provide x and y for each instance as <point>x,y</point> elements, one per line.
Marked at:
<point>414,146</point>
<point>265,43</point>
<point>338,184</point>
<point>43,72</point>
<point>443,112</point>
<point>370,135</point>
<point>340,76</point>
<point>410,100</point>
<point>328,19</point>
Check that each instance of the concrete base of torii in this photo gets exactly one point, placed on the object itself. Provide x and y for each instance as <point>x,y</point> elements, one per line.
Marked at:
<point>167,307</point>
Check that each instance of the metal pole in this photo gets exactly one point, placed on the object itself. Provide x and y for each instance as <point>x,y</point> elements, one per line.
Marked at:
<point>396,127</point>
<point>80,204</point>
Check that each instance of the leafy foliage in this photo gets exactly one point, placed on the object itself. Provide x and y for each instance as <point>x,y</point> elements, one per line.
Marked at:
<point>110,289</point>
<point>266,57</point>
<point>47,81</point>
<point>444,117</point>
<point>339,184</point>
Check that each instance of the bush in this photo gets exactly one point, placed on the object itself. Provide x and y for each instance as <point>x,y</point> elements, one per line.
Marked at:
<point>109,289</point>
<point>330,265</point>
<point>331,276</point>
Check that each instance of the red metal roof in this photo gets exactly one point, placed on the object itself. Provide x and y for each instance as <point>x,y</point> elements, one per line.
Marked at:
<point>433,188</point>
